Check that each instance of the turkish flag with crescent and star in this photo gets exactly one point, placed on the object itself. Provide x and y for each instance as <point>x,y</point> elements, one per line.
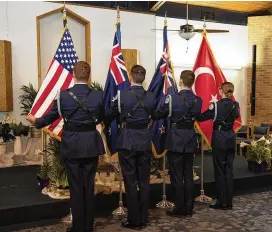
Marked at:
<point>208,79</point>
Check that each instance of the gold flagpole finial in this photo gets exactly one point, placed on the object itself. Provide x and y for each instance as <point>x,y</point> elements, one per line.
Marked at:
<point>204,26</point>
<point>118,14</point>
<point>64,7</point>
<point>64,16</point>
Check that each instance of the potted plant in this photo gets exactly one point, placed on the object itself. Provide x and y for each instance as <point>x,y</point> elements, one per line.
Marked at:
<point>259,155</point>
<point>44,172</point>
<point>52,169</point>
<point>58,175</point>
<point>27,99</point>
<point>5,136</point>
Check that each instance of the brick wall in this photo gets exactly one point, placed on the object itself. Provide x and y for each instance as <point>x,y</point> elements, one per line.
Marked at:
<point>260,33</point>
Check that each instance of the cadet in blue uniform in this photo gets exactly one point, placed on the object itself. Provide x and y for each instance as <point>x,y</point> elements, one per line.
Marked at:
<point>134,108</point>
<point>181,142</point>
<point>81,108</point>
<point>223,113</point>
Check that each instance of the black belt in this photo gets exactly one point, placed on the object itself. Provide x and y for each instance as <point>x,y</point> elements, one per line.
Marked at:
<point>79,128</point>
<point>134,126</point>
<point>222,127</point>
<point>187,126</point>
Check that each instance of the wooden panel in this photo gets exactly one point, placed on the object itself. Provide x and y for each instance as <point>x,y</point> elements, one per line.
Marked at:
<point>74,16</point>
<point>131,57</point>
<point>243,6</point>
<point>6,96</point>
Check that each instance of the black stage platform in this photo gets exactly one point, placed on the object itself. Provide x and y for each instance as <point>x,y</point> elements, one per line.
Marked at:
<point>21,200</point>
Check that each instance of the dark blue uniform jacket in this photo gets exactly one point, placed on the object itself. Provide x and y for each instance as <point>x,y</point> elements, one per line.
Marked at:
<point>182,108</point>
<point>78,144</point>
<point>223,113</point>
<point>133,139</point>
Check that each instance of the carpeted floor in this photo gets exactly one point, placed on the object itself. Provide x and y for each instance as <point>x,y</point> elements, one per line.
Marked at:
<point>251,212</point>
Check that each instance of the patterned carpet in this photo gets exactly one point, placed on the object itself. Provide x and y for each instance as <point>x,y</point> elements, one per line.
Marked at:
<point>251,213</point>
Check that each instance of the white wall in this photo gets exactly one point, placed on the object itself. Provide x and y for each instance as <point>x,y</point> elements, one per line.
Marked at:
<point>21,17</point>
<point>229,49</point>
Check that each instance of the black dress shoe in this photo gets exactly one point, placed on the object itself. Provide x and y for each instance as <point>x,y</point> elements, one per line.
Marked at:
<point>229,206</point>
<point>175,213</point>
<point>69,229</point>
<point>189,213</point>
<point>128,225</point>
<point>218,206</point>
<point>143,226</point>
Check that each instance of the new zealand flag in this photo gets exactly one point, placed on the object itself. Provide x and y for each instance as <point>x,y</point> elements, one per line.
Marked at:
<point>117,80</point>
<point>161,85</point>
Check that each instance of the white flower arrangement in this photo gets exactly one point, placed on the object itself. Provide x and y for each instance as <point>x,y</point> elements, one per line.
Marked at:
<point>259,150</point>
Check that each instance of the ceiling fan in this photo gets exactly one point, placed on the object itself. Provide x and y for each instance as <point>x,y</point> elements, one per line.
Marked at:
<point>187,31</point>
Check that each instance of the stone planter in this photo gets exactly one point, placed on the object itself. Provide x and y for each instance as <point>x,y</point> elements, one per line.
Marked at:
<point>35,133</point>
<point>18,146</point>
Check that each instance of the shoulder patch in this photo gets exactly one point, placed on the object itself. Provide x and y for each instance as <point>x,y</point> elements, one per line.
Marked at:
<point>211,107</point>
<point>167,99</point>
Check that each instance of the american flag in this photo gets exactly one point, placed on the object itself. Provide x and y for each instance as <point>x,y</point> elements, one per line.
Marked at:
<point>161,85</point>
<point>117,80</point>
<point>58,77</point>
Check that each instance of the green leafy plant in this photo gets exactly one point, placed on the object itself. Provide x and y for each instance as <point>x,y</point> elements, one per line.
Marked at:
<point>96,86</point>
<point>19,129</point>
<point>52,168</point>
<point>27,98</point>
<point>260,151</point>
<point>58,176</point>
<point>44,172</point>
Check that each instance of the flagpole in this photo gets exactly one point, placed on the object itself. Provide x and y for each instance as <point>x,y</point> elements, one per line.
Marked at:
<point>121,210</point>
<point>69,217</point>
<point>202,198</point>
<point>164,204</point>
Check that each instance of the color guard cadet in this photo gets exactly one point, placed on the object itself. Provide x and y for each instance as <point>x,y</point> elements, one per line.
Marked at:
<point>181,142</point>
<point>223,113</point>
<point>82,109</point>
<point>134,107</point>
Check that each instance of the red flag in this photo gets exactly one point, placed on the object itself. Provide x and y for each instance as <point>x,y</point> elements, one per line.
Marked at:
<point>208,79</point>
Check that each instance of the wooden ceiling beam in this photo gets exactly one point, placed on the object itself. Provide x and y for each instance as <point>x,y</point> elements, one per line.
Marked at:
<point>154,6</point>
<point>235,6</point>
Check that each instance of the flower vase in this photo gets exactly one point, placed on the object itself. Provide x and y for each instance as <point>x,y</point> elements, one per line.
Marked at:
<point>35,133</point>
<point>3,148</point>
<point>18,146</point>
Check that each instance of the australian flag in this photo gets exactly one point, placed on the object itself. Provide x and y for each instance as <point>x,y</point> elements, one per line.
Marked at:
<point>161,85</point>
<point>117,80</point>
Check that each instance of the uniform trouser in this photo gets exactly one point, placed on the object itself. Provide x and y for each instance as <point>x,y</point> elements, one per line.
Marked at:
<point>136,171</point>
<point>81,174</point>
<point>223,166</point>
<point>181,175</point>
